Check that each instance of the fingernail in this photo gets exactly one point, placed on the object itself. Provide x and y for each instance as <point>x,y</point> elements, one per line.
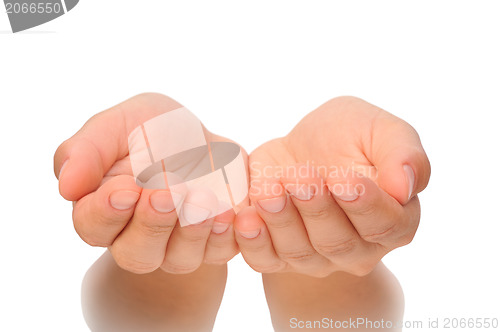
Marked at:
<point>302,192</point>
<point>273,205</point>
<point>219,227</point>
<point>62,168</point>
<point>250,234</point>
<point>410,178</point>
<point>123,200</point>
<point>162,201</point>
<point>344,191</point>
<point>177,199</point>
<point>194,214</point>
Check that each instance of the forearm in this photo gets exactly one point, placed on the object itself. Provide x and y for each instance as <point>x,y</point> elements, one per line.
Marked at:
<point>116,300</point>
<point>340,296</point>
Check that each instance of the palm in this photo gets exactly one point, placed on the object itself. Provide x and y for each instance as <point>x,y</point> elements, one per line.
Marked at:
<point>102,144</point>
<point>328,139</point>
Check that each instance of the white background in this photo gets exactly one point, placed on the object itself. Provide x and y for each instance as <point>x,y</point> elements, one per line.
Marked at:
<point>250,71</point>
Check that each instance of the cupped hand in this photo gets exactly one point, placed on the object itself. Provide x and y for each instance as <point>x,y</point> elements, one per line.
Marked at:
<point>336,194</point>
<point>139,226</point>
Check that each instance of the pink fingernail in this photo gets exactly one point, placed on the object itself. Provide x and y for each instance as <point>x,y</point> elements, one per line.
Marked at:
<point>123,200</point>
<point>219,227</point>
<point>345,192</point>
<point>273,205</point>
<point>302,192</point>
<point>195,214</point>
<point>410,178</point>
<point>162,201</point>
<point>250,234</point>
<point>62,168</point>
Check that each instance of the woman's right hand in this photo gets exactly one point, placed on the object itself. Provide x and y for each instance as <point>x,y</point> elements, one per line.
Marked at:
<point>139,226</point>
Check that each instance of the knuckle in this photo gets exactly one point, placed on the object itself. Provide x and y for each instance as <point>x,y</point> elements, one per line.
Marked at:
<point>110,220</point>
<point>113,220</point>
<point>156,101</point>
<point>94,242</point>
<point>406,239</point>
<point>342,100</point>
<point>149,96</point>
<point>296,256</point>
<point>279,223</point>
<point>256,249</point>
<point>318,214</point>
<point>219,256</point>
<point>213,243</point>
<point>190,237</point>
<point>273,268</point>
<point>380,237</point>
<point>92,239</point>
<point>334,249</point>
<point>157,228</point>
<point>369,208</point>
<point>177,268</point>
<point>132,265</point>
<point>322,272</point>
<point>219,260</point>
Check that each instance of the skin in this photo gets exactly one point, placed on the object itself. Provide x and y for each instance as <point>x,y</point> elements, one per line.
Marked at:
<point>155,274</point>
<point>117,300</point>
<point>306,243</point>
<point>339,296</point>
<point>97,172</point>
<point>357,212</point>
<point>303,241</point>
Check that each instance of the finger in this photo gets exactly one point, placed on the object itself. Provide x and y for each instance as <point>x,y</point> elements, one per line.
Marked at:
<point>186,247</point>
<point>255,243</point>
<point>284,223</point>
<point>331,233</point>
<point>90,153</point>
<point>377,216</point>
<point>100,216</point>
<point>141,246</point>
<point>403,167</point>
<point>221,245</point>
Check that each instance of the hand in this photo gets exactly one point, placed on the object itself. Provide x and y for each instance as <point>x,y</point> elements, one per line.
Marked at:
<point>139,226</point>
<point>336,194</point>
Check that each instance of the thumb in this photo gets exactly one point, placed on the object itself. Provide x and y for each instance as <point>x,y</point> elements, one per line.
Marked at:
<point>79,167</point>
<point>81,162</point>
<point>397,153</point>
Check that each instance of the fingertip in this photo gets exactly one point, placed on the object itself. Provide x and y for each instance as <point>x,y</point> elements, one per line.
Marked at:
<point>248,223</point>
<point>404,173</point>
<point>120,196</point>
<point>223,220</point>
<point>61,157</point>
<point>303,182</point>
<point>351,187</point>
<point>199,206</point>
<point>80,173</point>
<point>123,200</point>
<point>227,216</point>
<point>78,180</point>
<point>265,189</point>
<point>113,202</point>
<point>410,180</point>
<point>422,167</point>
